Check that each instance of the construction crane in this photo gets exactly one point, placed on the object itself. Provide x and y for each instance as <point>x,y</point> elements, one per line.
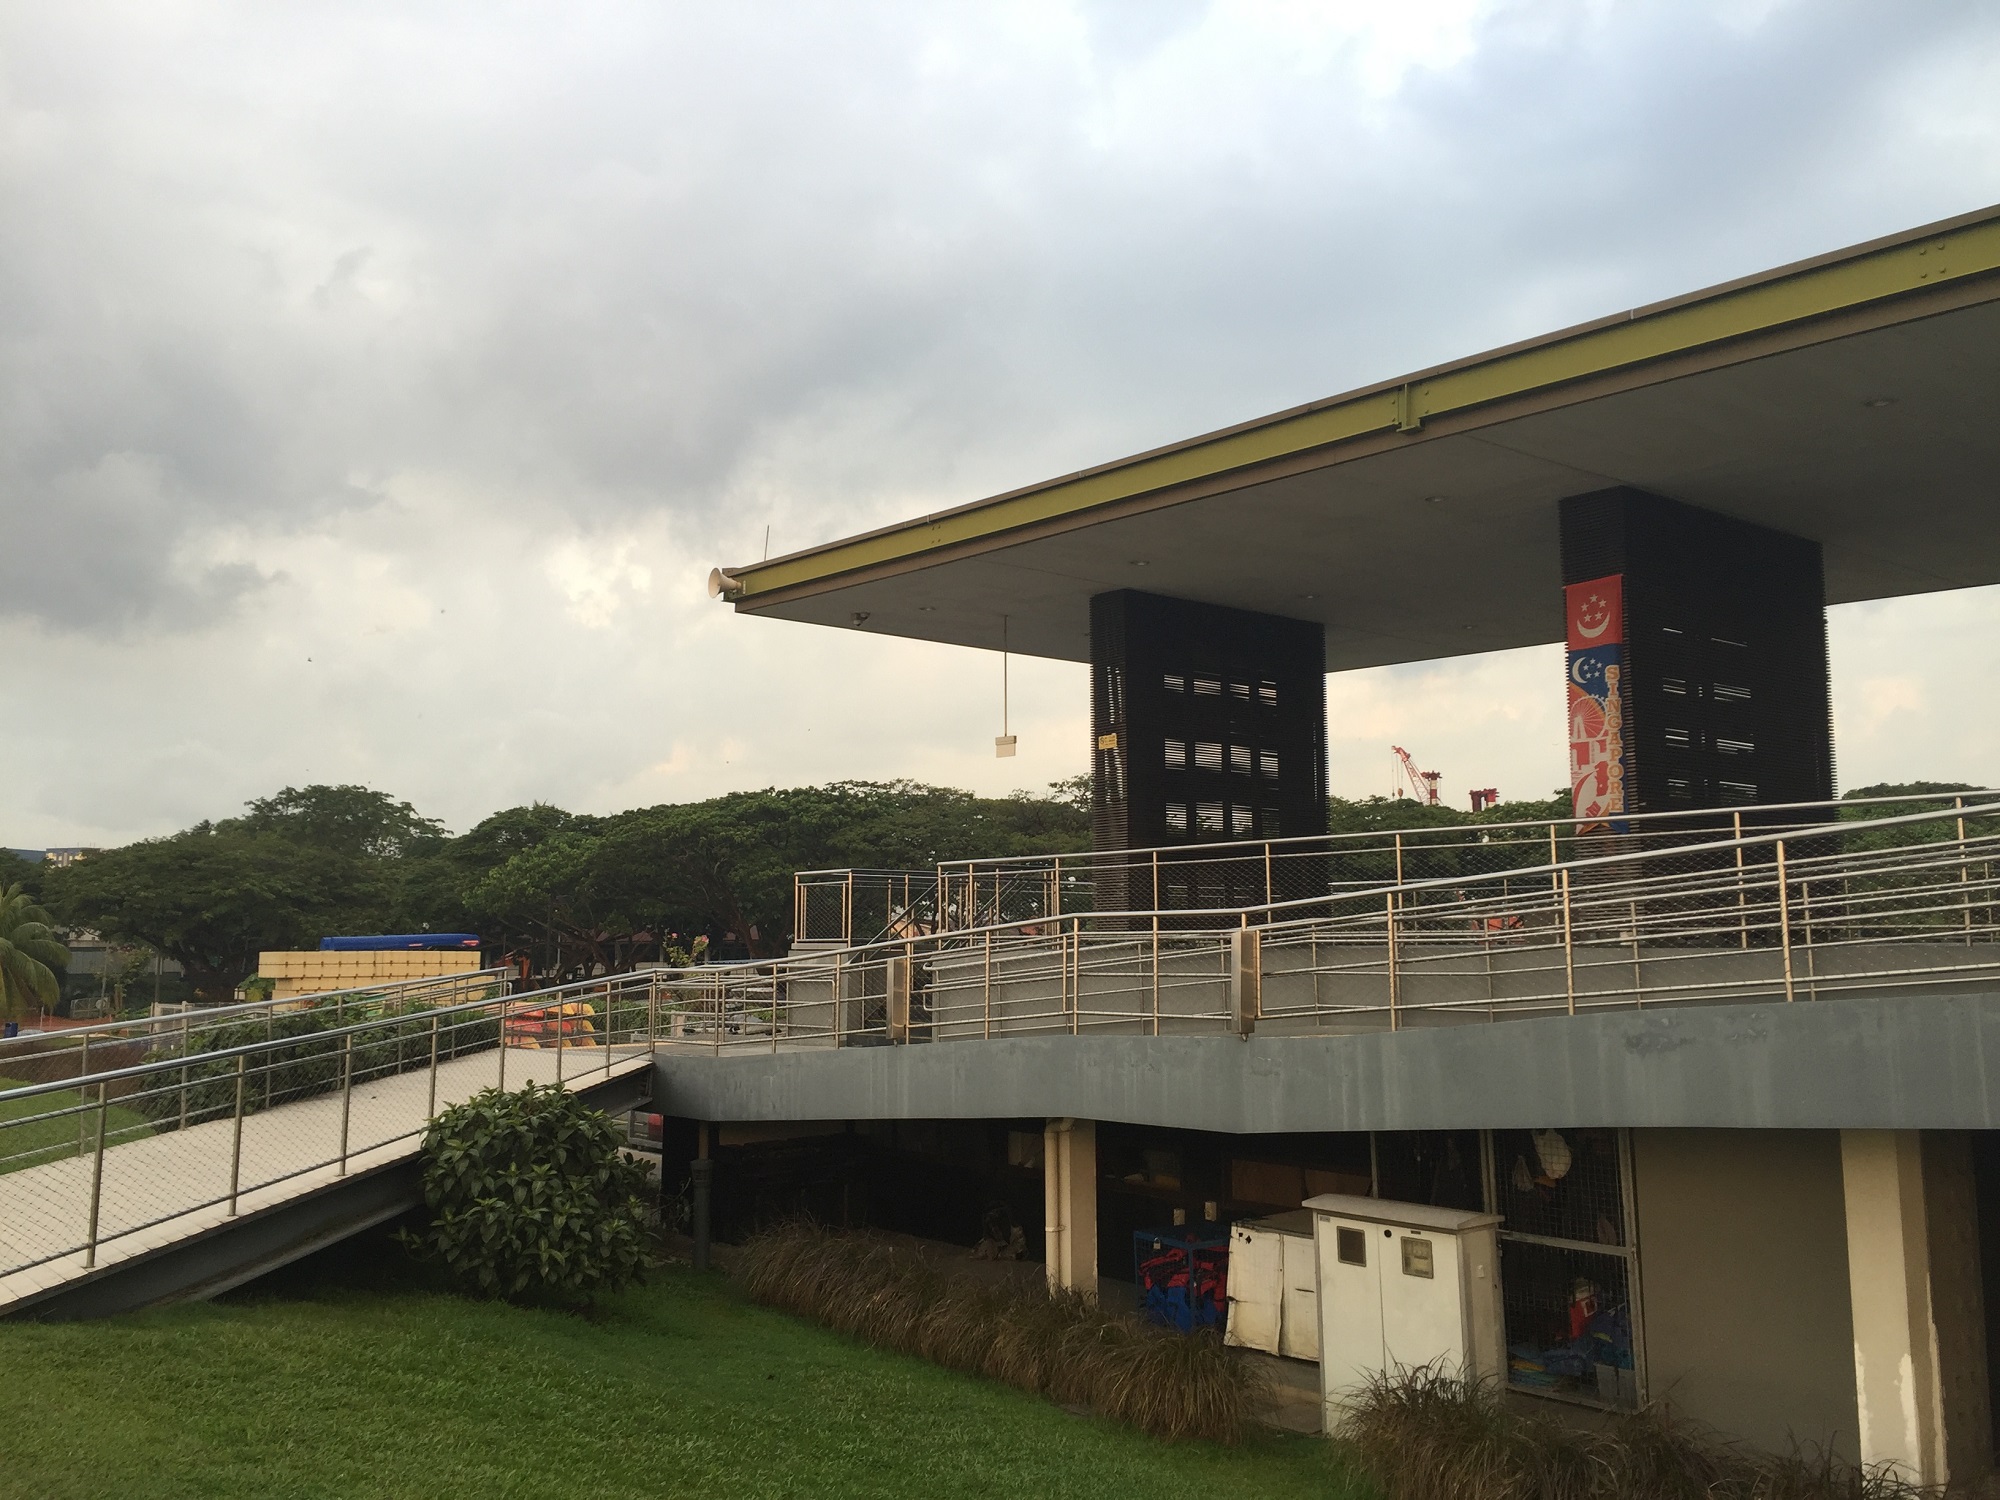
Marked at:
<point>1423,783</point>
<point>1484,798</point>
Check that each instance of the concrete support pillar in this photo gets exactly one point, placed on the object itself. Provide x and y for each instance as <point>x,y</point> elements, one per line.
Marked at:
<point>1914,1286</point>
<point>1069,1204</point>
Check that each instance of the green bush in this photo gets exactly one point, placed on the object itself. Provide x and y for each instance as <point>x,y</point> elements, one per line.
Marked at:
<point>532,1198</point>
<point>1172,1385</point>
<point>297,1059</point>
<point>1434,1434</point>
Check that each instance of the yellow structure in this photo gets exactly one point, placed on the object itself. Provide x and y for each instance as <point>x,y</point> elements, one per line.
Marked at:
<point>316,971</point>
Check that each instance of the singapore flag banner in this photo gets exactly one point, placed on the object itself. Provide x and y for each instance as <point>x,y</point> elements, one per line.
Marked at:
<point>1596,614</point>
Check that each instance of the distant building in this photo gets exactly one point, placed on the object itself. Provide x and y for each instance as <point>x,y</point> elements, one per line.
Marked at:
<point>61,859</point>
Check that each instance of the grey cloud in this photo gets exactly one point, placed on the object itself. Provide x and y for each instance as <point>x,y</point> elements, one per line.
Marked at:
<point>813,259</point>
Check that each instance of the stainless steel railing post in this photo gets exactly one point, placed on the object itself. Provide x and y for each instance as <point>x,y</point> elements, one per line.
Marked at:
<point>1812,968</point>
<point>1784,920</point>
<point>1156,969</point>
<point>1071,999</point>
<point>1638,972</point>
<point>1569,947</point>
<point>82,1071</point>
<point>1395,998</point>
<point>431,1109</point>
<point>236,1139</point>
<point>96,1178</point>
<point>1742,896</point>
<point>346,1095</point>
<point>1964,871</point>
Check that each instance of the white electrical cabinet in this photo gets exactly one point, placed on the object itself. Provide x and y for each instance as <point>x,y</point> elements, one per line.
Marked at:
<point>1274,1286</point>
<point>1402,1285</point>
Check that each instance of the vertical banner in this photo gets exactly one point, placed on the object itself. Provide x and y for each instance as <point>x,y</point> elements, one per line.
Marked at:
<point>1596,615</point>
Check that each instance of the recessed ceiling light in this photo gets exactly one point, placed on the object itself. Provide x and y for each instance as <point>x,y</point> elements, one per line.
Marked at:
<point>1879,402</point>
<point>1433,499</point>
<point>1309,596</point>
<point>926,609</point>
<point>1139,562</point>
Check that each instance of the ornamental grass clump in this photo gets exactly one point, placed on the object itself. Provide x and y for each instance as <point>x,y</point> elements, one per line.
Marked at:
<point>1059,1345</point>
<point>1432,1434</point>
<point>532,1198</point>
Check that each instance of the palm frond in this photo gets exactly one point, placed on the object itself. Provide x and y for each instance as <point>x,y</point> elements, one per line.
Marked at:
<point>22,975</point>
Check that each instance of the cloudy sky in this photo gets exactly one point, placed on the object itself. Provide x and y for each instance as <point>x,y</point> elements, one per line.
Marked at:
<point>379,382</point>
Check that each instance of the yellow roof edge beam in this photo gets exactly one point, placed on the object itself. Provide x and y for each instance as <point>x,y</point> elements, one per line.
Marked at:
<point>1910,263</point>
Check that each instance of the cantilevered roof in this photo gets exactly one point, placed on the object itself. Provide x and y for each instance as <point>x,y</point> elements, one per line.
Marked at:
<point>1853,398</point>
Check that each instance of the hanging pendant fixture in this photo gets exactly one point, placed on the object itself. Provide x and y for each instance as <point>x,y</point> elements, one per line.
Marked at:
<point>1003,743</point>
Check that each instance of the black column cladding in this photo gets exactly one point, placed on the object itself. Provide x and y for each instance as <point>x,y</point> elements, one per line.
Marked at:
<point>1208,725</point>
<point>1726,693</point>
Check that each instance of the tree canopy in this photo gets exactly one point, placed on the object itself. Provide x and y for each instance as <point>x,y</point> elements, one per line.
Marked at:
<point>352,820</point>
<point>211,898</point>
<point>569,890</point>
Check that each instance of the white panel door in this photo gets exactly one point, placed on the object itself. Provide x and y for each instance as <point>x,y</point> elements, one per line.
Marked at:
<point>1298,1333</point>
<point>1350,1302</point>
<point>1421,1302</point>
<point>1256,1282</point>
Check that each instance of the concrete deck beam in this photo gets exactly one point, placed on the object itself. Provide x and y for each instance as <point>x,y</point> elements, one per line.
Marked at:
<point>1895,1062</point>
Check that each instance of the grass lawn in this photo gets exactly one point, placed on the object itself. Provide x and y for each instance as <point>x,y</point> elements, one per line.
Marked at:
<point>344,1388</point>
<point>52,1140</point>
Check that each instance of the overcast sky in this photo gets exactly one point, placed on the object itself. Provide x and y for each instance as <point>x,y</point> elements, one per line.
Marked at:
<point>379,382</point>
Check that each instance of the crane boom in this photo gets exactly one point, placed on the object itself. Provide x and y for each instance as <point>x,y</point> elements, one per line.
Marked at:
<point>1424,784</point>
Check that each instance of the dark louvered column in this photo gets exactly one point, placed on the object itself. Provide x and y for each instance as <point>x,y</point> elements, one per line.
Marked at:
<point>1208,726</point>
<point>1697,659</point>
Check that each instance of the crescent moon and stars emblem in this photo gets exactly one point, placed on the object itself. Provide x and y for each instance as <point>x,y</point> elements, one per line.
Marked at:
<point>1594,608</point>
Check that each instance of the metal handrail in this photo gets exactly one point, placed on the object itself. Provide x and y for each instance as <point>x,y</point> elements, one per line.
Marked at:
<point>267,1044</point>
<point>958,891</point>
<point>238,1009</point>
<point>1223,847</point>
<point>1553,918</point>
<point>1231,914</point>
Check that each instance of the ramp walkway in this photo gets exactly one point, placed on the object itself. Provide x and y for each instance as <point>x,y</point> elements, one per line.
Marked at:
<point>264,1132</point>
